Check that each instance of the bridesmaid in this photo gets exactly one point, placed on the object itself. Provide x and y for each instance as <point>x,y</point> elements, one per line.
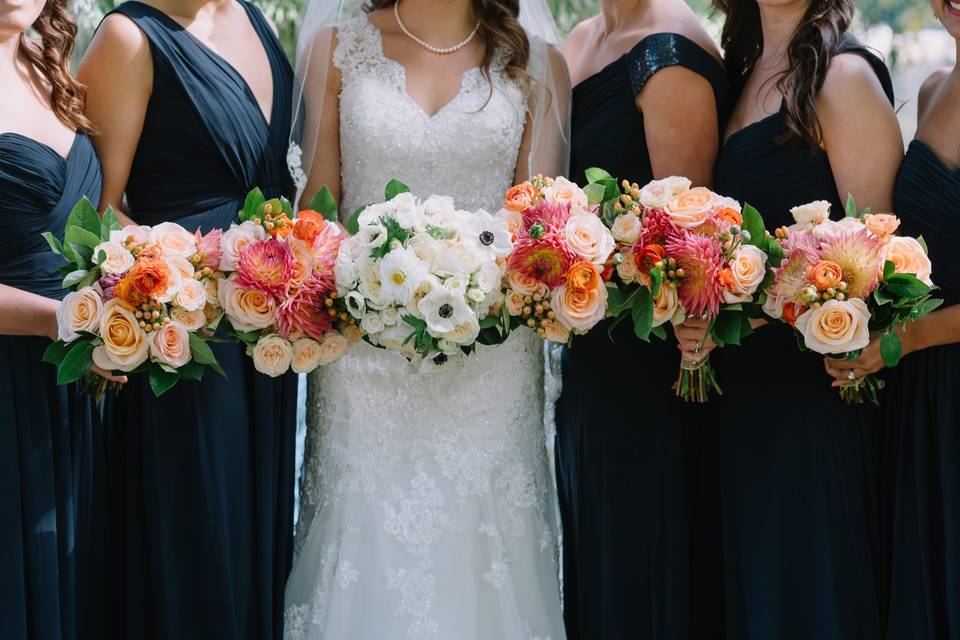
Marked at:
<point>648,91</point>
<point>922,457</point>
<point>193,100</point>
<point>813,120</point>
<point>47,432</point>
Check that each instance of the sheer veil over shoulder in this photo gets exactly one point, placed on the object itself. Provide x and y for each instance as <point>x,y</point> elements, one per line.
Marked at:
<point>428,508</point>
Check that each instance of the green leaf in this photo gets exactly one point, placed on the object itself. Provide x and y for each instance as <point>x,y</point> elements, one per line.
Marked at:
<point>882,296</point>
<point>851,207</point>
<point>595,193</point>
<point>193,370</point>
<point>888,269</point>
<point>73,278</point>
<point>76,363</point>
<point>251,204</point>
<point>656,279</point>
<point>161,380</point>
<point>923,243</point>
<point>906,285</point>
<point>596,174</point>
<point>642,314</point>
<point>92,276</point>
<point>109,222</point>
<point>753,223</point>
<point>660,332</point>
<point>81,236</point>
<point>926,307</point>
<point>890,349</point>
<point>611,189</point>
<point>55,245</point>
<point>415,322</point>
<point>324,204</point>
<point>489,321</point>
<point>203,354</point>
<point>84,215</point>
<point>287,207</point>
<point>56,352</point>
<point>82,254</point>
<point>395,188</point>
<point>619,301</point>
<point>726,328</point>
<point>353,224</point>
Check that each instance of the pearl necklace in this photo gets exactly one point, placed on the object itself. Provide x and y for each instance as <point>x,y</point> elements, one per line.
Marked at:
<point>427,46</point>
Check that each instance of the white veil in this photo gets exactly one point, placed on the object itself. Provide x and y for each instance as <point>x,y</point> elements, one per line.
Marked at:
<point>548,102</point>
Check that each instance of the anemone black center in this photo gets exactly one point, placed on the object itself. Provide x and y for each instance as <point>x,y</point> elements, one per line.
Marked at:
<point>486,238</point>
<point>440,359</point>
<point>445,311</point>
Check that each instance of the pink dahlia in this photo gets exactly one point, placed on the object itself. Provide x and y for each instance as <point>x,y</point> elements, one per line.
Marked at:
<point>326,246</point>
<point>701,258</point>
<point>545,259</point>
<point>858,254</point>
<point>545,216</point>
<point>800,250</point>
<point>304,311</point>
<point>657,227</point>
<point>266,266</point>
<point>209,251</point>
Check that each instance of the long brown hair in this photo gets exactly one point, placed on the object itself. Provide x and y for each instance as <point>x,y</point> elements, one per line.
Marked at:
<point>813,45</point>
<point>499,27</point>
<point>51,58</point>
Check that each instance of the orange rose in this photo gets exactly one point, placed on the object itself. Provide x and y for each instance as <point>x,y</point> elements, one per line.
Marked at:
<point>826,274</point>
<point>584,276</point>
<point>519,198</point>
<point>730,215</point>
<point>149,277</point>
<point>882,225</point>
<point>649,256</point>
<point>130,296</point>
<point>308,225</point>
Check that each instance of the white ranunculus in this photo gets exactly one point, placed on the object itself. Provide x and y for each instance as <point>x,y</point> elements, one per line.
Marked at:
<point>272,355</point>
<point>627,228</point>
<point>401,273</point>
<point>427,249</point>
<point>372,323</point>
<point>748,268</point>
<point>836,326</point>
<point>811,213</point>
<point>117,260</point>
<point>356,305</point>
<point>79,311</point>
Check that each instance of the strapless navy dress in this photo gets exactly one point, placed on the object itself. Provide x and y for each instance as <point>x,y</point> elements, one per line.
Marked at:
<point>48,433</point>
<point>922,456</point>
<point>631,566</point>
<point>800,469</point>
<point>202,478</point>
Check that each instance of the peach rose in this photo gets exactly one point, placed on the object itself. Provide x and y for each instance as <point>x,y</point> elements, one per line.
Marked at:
<point>191,320</point>
<point>579,310</point>
<point>306,354</point>
<point>125,345</point>
<point>180,266</point>
<point>190,295</point>
<point>332,348</point>
<point>626,228</point>
<point>211,289</point>
<point>174,240</point>
<point>170,344</point>
<point>520,197</point>
<point>658,193</point>
<point>117,260</point>
<point>826,274</point>
<point>556,332</point>
<point>836,326</point>
<point>79,311</point>
<point>272,355</point>
<point>693,208</point>
<point>908,256</point>
<point>524,285</point>
<point>882,225</point>
<point>747,270</point>
<point>627,270</point>
<point>352,333</point>
<point>588,238</point>
<point>514,302</point>
<point>563,191</point>
<point>246,309</point>
<point>666,307</point>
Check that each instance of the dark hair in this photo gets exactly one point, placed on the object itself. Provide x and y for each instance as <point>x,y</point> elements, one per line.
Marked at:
<point>51,58</point>
<point>813,45</point>
<point>499,27</point>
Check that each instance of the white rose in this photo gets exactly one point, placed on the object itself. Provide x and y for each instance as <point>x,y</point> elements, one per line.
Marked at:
<point>438,205</point>
<point>79,311</point>
<point>589,238</point>
<point>125,345</point>
<point>174,240</point>
<point>626,228</point>
<point>191,295</point>
<point>836,326</point>
<point>406,211</point>
<point>563,191</point>
<point>466,332</point>
<point>306,355</point>
<point>192,320</point>
<point>656,194</point>
<point>372,323</point>
<point>272,355</point>
<point>170,344</point>
<point>488,277</point>
<point>246,309</point>
<point>332,348</point>
<point>117,260</point>
<point>235,240</point>
<point>748,268</point>
<point>427,249</point>
<point>132,234</point>
<point>812,213</point>
<point>832,228</point>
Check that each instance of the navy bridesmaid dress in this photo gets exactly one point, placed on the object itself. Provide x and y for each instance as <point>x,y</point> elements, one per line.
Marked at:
<point>627,485</point>
<point>202,478</point>
<point>47,432</point>
<point>922,457</point>
<point>800,469</point>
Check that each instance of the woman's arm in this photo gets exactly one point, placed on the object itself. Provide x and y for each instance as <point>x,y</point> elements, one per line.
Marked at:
<point>545,145</point>
<point>321,126</point>
<point>118,73</point>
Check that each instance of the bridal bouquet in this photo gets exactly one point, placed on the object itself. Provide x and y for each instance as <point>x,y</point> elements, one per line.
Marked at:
<point>682,251</point>
<point>277,288</point>
<point>841,281</point>
<point>144,299</point>
<point>423,277</point>
<point>554,281</point>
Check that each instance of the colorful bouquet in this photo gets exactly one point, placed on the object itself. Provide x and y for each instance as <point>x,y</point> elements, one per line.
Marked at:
<point>839,282</point>
<point>422,277</point>
<point>277,287</point>
<point>682,252</point>
<point>554,281</point>
<point>144,299</point>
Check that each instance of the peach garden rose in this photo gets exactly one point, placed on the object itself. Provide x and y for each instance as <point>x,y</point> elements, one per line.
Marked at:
<point>836,327</point>
<point>579,310</point>
<point>125,345</point>
<point>79,311</point>
<point>272,355</point>
<point>908,256</point>
<point>692,208</point>
<point>170,344</point>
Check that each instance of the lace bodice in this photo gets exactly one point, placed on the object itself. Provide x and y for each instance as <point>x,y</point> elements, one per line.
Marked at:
<point>460,151</point>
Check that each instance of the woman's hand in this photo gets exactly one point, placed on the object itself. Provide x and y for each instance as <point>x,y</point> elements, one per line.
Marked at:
<point>870,361</point>
<point>690,335</point>
<point>109,377</point>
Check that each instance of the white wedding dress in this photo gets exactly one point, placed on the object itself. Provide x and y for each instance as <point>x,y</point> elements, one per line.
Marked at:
<point>428,507</point>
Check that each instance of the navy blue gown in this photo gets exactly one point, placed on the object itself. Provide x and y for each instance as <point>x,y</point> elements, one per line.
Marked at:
<point>202,509</point>
<point>630,562</point>
<point>48,433</point>
<point>922,456</point>
<point>800,469</point>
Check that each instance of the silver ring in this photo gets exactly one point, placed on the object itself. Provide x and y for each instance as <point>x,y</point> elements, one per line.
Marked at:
<point>851,376</point>
<point>696,350</point>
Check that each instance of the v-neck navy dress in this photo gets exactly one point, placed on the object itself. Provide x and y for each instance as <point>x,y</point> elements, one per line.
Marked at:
<point>922,456</point>
<point>800,467</point>
<point>202,478</point>
<point>48,433</point>
<point>628,491</point>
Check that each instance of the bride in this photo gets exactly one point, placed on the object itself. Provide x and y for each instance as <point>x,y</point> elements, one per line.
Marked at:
<point>428,509</point>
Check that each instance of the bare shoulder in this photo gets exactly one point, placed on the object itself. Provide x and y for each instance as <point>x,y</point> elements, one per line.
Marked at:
<point>685,23</point>
<point>120,33</point>
<point>579,35</point>
<point>119,44</point>
<point>929,88</point>
<point>851,82</point>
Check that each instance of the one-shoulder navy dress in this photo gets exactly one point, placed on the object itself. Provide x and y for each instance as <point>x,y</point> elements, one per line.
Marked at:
<point>800,467</point>
<point>622,473</point>
<point>922,458</point>
<point>47,432</point>
<point>203,477</point>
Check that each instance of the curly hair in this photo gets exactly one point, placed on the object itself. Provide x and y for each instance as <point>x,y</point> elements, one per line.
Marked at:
<point>813,45</point>
<point>50,56</point>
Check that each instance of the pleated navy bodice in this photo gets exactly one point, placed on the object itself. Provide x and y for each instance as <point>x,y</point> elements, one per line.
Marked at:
<point>204,132</point>
<point>39,189</point>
